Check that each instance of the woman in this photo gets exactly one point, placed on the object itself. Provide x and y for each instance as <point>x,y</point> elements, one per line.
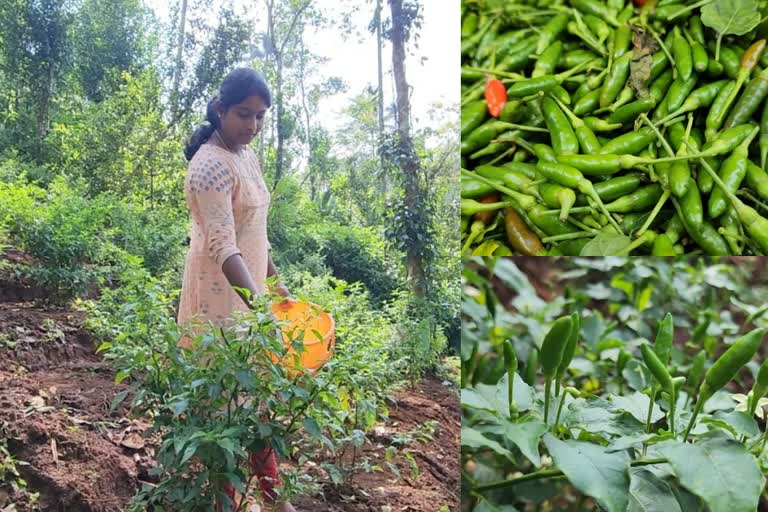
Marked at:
<point>228,202</point>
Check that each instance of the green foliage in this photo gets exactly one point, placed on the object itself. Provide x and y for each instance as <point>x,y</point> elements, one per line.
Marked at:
<point>77,241</point>
<point>612,438</point>
<point>352,253</point>
<point>12,485</point>
<point>136,324</point>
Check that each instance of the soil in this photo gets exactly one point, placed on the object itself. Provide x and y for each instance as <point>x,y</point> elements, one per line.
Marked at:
<point>55,396</point>
<point>436,486</point>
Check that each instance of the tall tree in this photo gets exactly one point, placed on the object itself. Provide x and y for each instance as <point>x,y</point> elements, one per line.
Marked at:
<point>406,156</point>
<point>379,42</point>
<point>278,37</point>
<point>179,52</point>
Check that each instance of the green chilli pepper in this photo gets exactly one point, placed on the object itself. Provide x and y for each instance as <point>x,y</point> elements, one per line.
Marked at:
<point>598,27</point>
<point>757,180</point>
<point>557,196</point>
<point>615,188</point>
<point>719,109</point>
<point>730,226</point>
<point>700,57</point>
<point>548,60</point>
<point>630,143</point>
<point>564,140</point>
<point>730,62</point>
<point>545,153</point>
<point>569,352</point>
<point>727,140</point>
<point>527,170</point>
<point>575,58</point>
<point>691,203</point>
<point>681,51</point>
<point>658,64</point>
<point>656,367</point>
<point>697,369</point>
<point>587,103</point>
<point>596,8</point>
<point>663,246</point>
<point>471,207</point>
<point>630,111</point>
<point>699,98</point>
<point>703,233</point>
<point>519,56</point>
<point>600,125</point>
<point>586,137</point>
<point>505,44</point>
<point>638,201</point>
<point>622,40</point>
<point>664,337</point>
<point>512,178</point>
<point>473,189</point>
<point>746,65</point>
<point>732,172</point>
<point>532,364</point>
<point>726,368</point>
<point>760,387</point>
<point>696,29</point>
<point>552,349</point>
<point>571,177</point>
<point>560,93</point>
<point>764,138</point>
<point>510,363</point>
<point>550,32</point>
<point>615,80</point>
<point>680,89</point>
<point>753,96</point>
<point>472,116</point>
<point>660,86</point>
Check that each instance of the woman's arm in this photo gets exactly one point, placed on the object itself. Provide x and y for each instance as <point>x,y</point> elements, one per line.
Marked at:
<point>238,275</point>
<point>281,289</point>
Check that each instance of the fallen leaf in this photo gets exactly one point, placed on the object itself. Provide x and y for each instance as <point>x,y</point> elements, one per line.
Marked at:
<point>37,402</point>
<point>54,451</point>
<point>133,441</point>
<point>642,59</point>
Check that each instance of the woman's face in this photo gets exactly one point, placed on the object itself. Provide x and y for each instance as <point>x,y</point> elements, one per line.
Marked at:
<point>243,121</point>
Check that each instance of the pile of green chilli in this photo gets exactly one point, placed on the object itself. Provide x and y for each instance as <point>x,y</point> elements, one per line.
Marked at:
<point>606,128</point>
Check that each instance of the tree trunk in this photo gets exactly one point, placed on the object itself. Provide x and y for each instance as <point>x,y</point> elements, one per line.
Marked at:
<point>310,145</point>
<point>177,69</point>
<point>280,129</point>
<point>383,179</point>
<point>380,73</point>
<point>43,107</point>
<point>279,52</point>
<point>409,162</point>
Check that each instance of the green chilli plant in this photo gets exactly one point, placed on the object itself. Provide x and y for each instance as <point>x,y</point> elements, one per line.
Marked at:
<point>632,423</point>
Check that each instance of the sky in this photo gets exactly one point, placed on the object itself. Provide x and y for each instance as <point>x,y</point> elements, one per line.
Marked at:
<point>432,69</point>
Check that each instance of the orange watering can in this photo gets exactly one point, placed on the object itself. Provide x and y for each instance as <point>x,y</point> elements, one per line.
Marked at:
<point>307,322</point>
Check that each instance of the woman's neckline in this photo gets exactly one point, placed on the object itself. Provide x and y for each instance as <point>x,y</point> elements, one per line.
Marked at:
<point>239,153</point>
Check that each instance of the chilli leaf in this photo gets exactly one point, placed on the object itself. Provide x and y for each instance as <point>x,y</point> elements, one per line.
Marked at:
<point>649,493</point>
<point>606,243</point>
<point>594,471</point>
<point>720,471</point>
<point>735,17</point>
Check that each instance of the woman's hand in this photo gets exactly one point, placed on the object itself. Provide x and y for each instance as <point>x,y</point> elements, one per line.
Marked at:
<point>282,290</point>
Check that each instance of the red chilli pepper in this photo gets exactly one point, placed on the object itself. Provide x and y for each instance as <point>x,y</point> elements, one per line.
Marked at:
<point>495,96</point>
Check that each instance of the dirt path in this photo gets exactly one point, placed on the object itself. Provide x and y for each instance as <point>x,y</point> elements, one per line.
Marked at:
<point>435,487</point>
<point>55,396</point>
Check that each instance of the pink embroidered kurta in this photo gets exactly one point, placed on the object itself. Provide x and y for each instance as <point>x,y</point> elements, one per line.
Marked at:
<point>228,203</point>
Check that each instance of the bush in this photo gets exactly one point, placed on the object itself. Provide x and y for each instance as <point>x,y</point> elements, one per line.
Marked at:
<point>60,229</point>
<point>351,253</point>
<point>157,236</point>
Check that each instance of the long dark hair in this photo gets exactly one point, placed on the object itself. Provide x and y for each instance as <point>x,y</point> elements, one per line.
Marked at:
<point>238,85</point>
